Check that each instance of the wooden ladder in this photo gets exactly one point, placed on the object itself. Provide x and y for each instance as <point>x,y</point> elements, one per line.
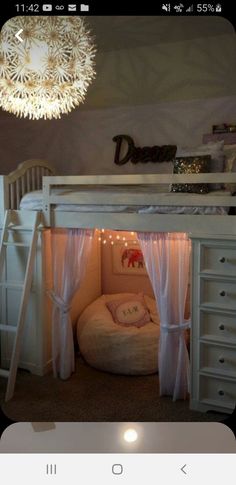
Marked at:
<point>12,225</point>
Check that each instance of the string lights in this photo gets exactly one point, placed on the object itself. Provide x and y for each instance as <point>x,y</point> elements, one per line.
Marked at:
<point>106,237</point>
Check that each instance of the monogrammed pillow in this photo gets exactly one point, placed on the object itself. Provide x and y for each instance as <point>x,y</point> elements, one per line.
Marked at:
<point>129,312</point>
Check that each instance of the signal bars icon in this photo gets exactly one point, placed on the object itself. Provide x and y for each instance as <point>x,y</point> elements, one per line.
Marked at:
<point>189,9</point>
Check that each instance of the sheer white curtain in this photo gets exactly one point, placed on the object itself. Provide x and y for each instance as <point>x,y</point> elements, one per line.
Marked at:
<point>166,257</point>
<point>70,251</point>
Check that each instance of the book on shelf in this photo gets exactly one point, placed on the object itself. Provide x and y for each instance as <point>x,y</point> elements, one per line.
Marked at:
<point>228,138</point>
<point>224,128</point>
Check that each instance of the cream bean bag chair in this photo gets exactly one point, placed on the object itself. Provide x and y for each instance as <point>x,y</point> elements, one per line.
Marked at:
<point>111,347</point>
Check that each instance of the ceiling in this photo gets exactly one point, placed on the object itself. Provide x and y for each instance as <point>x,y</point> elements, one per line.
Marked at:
<point>116,32</point>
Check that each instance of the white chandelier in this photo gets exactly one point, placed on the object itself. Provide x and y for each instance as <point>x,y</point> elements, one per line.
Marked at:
<point>48,73</point>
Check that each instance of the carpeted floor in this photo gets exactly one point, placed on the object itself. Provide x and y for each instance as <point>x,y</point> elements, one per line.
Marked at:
<point>91,395</point>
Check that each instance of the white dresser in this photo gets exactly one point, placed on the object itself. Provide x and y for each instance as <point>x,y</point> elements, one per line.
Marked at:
<point>213,335</point>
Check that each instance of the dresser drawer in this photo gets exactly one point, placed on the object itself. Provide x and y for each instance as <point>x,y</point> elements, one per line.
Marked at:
<point>217,392</point>
<point>218,326</point>
<point>219,293</point>
<point>218,358</point>
<point>221,260</point>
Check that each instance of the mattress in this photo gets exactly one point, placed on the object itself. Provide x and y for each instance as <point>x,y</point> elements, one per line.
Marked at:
<point>33,201</point>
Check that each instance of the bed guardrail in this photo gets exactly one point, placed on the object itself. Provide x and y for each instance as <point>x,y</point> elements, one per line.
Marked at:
<point>88,183</point>
<point>85,194</point>
<point>27,177</point>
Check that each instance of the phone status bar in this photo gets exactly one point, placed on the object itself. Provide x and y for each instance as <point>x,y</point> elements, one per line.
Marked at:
<point>51,8</point>
<point>162,8</point>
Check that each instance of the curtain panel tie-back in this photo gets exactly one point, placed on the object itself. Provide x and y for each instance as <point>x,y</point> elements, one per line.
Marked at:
<point>59,302</point>
<point>176,328</point>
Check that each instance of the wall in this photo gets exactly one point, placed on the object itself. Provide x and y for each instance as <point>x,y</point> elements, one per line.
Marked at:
<point>121,283</point>
<point>163,93</point>
<point>91,286</point>
<point>124,283</point>
<point>195,68</point>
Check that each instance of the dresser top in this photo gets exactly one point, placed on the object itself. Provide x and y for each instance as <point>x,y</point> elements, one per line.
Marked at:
<point>213,237</point>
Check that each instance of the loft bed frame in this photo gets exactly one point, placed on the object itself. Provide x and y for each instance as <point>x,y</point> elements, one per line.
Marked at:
<point>38,174</point>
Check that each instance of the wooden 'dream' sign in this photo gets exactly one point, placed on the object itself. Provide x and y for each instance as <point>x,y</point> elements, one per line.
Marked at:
<point>164,153</point>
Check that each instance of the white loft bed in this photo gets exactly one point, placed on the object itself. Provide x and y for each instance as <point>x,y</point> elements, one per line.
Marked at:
<point>59,210</point>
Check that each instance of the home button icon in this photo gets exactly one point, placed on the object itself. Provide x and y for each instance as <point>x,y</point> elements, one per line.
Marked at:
<point>117,469</point>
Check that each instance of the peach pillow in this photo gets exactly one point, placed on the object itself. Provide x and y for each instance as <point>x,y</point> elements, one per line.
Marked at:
<point>129,312</point>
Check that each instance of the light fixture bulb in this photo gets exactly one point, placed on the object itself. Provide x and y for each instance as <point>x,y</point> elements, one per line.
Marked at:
<point>37,57</point>
<point>130,435</point>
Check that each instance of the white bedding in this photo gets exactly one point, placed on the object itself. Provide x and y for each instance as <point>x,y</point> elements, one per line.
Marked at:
<point>114,348</point>
<point>33,201</point>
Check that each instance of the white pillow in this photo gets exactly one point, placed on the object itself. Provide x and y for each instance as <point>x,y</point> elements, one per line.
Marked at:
<point>230,158</point>
<point>214,149</point>
<point>230,164</point>
<point>163,168</point>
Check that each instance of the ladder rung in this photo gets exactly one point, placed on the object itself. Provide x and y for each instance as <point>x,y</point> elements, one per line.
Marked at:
<point>12,285</point>
<point>20,244</point>
<point>8,328</point>
<point>4,373</point>
<point>14,227</point>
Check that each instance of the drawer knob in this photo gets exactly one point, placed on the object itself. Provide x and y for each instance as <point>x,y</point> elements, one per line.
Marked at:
<point>221,326</point>
<point>222,259</point>
<point>221,360</point>
<point>221,393</point>
<point>222,293</point>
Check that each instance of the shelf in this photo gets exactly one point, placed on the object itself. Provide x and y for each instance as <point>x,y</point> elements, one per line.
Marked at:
<point>228,138</point>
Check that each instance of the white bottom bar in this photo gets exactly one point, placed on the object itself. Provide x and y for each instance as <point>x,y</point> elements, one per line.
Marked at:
<point>108,469</point>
